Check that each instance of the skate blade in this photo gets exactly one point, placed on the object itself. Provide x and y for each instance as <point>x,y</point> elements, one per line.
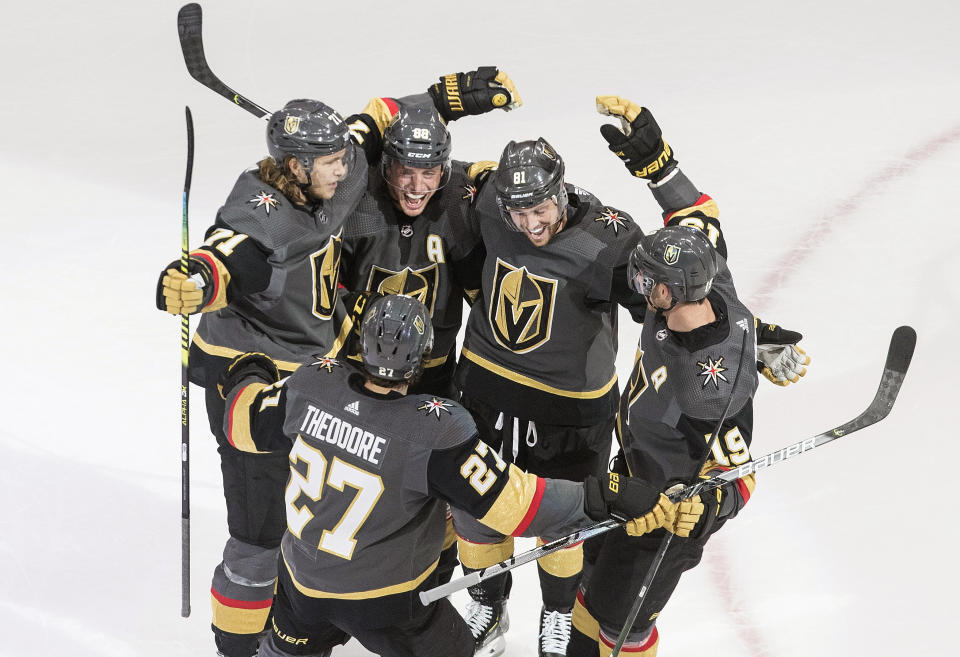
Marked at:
<point>493,648</point>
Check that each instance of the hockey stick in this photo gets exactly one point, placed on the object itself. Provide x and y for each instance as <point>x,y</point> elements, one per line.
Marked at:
<point>185,391</point>
<point>898,359</point>
<point>668,537</point>
<point>190,27</point>
<point>426,597</point>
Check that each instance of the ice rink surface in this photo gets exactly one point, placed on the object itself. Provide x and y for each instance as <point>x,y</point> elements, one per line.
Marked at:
<point>827,131</point>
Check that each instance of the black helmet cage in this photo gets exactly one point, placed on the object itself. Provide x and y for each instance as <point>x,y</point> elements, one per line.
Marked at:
<point>416,137</point>
<point>395,334</point>
<point>307,129</point>
<point>681,257</point>
<point>529,173</point>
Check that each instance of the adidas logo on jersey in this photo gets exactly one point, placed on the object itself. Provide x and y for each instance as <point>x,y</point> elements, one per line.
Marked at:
<point>743,324</point>
<point>353,407</point>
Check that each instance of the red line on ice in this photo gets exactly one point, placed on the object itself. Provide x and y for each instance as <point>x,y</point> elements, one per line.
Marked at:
<point>822,227</point>
<point>720,566</point>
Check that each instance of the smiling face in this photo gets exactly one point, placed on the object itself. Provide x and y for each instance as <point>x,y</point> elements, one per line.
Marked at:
<point>411,188</point>
<point>539,223</point>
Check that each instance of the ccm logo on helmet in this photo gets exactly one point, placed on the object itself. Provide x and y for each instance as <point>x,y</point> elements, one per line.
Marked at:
<point>420,155</point>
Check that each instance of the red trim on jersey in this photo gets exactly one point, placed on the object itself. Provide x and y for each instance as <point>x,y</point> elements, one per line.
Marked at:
<point>704,198</point>
<point>743,490</point>
<point>740,484</point>
<point>532,509</point>
<point>241,604</point>
<point>230,426</point>
<point>391,105</point>
<point>216,274</point>
<point>628,648</point>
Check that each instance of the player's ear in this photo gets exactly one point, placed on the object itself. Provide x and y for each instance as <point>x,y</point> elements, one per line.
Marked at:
<point>665,293</point>
<point>296,169</point>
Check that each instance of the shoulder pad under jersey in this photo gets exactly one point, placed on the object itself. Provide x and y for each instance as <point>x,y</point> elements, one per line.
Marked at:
<point>263,212</point>
<point>445,422</point>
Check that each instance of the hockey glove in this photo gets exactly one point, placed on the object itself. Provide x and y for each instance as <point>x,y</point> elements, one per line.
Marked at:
<point>252,365</point>
<point>474,92</point>
<point>639,143</point>
<point>686,514</point>
<point>180,295</point>
<point>618,496</point>
<point>779,359</point>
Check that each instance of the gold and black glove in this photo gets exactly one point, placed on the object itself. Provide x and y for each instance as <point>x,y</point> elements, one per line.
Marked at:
<point>686,514</point>
<point>638,142</point>
<point>618,496</point>
<point>474,92</point>
<point>179,294</point>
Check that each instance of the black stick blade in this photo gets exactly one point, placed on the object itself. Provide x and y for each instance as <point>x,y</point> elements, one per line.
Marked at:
<point>190,28</point>
<point>902,344</point>
<point>186,181</point>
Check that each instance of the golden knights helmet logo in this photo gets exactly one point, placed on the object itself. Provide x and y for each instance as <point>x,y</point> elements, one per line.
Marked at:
<point>291,124</point>
<point>671,254</point>
<point>326,269</point>
<point>521,308</point>
<point>421,284</point>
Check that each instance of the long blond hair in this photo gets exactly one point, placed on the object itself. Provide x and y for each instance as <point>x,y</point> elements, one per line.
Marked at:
<point>281,178</point>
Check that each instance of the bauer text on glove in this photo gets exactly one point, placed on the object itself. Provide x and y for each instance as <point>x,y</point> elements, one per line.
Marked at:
<point>638,142</point>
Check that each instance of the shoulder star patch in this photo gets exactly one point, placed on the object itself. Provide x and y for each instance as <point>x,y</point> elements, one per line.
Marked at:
<point>712,372</point>
<point>265,201</point>
<point>612,218</point>
<point>327,364</point>
<point>435,406</point>
<point>469,192</point>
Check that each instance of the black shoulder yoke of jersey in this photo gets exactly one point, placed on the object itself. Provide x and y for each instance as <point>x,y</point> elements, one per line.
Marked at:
<point>709,334</point>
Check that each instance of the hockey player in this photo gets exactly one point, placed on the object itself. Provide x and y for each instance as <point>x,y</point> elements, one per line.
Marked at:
<point>371,471</point>
<point>411,234</point>
<point>266,280</point>
<point>690,351</point>
<point>538,364</point>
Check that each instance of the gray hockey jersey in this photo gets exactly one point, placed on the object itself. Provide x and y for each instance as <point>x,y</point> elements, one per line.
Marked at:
<point>290,320</point>
<point>371,475</point>
<point>427,256</point>
<point>541,342</point>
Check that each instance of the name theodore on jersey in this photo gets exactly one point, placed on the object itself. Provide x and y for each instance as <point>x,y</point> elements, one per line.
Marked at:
<point>338,432</point>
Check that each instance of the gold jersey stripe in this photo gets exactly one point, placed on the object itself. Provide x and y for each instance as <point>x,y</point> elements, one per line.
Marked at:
<point>533,383</point>
<point>363,595</point>
<point>286,365</point>
<point>483,555</point>
<point>708,208</point>
<point>513,502</point>
<point>450,537</point>
<point>238,621</point>
<point>585,623</point>
<point>240,435</point>
<point>562,563</point>
<point>227,352</point>
<point>381,112</point>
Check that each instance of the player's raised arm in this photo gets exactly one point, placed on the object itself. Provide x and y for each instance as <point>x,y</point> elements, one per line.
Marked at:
<point>639,144</point>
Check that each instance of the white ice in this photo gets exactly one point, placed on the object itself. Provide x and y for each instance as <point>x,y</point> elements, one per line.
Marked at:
<point>828,132</point>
